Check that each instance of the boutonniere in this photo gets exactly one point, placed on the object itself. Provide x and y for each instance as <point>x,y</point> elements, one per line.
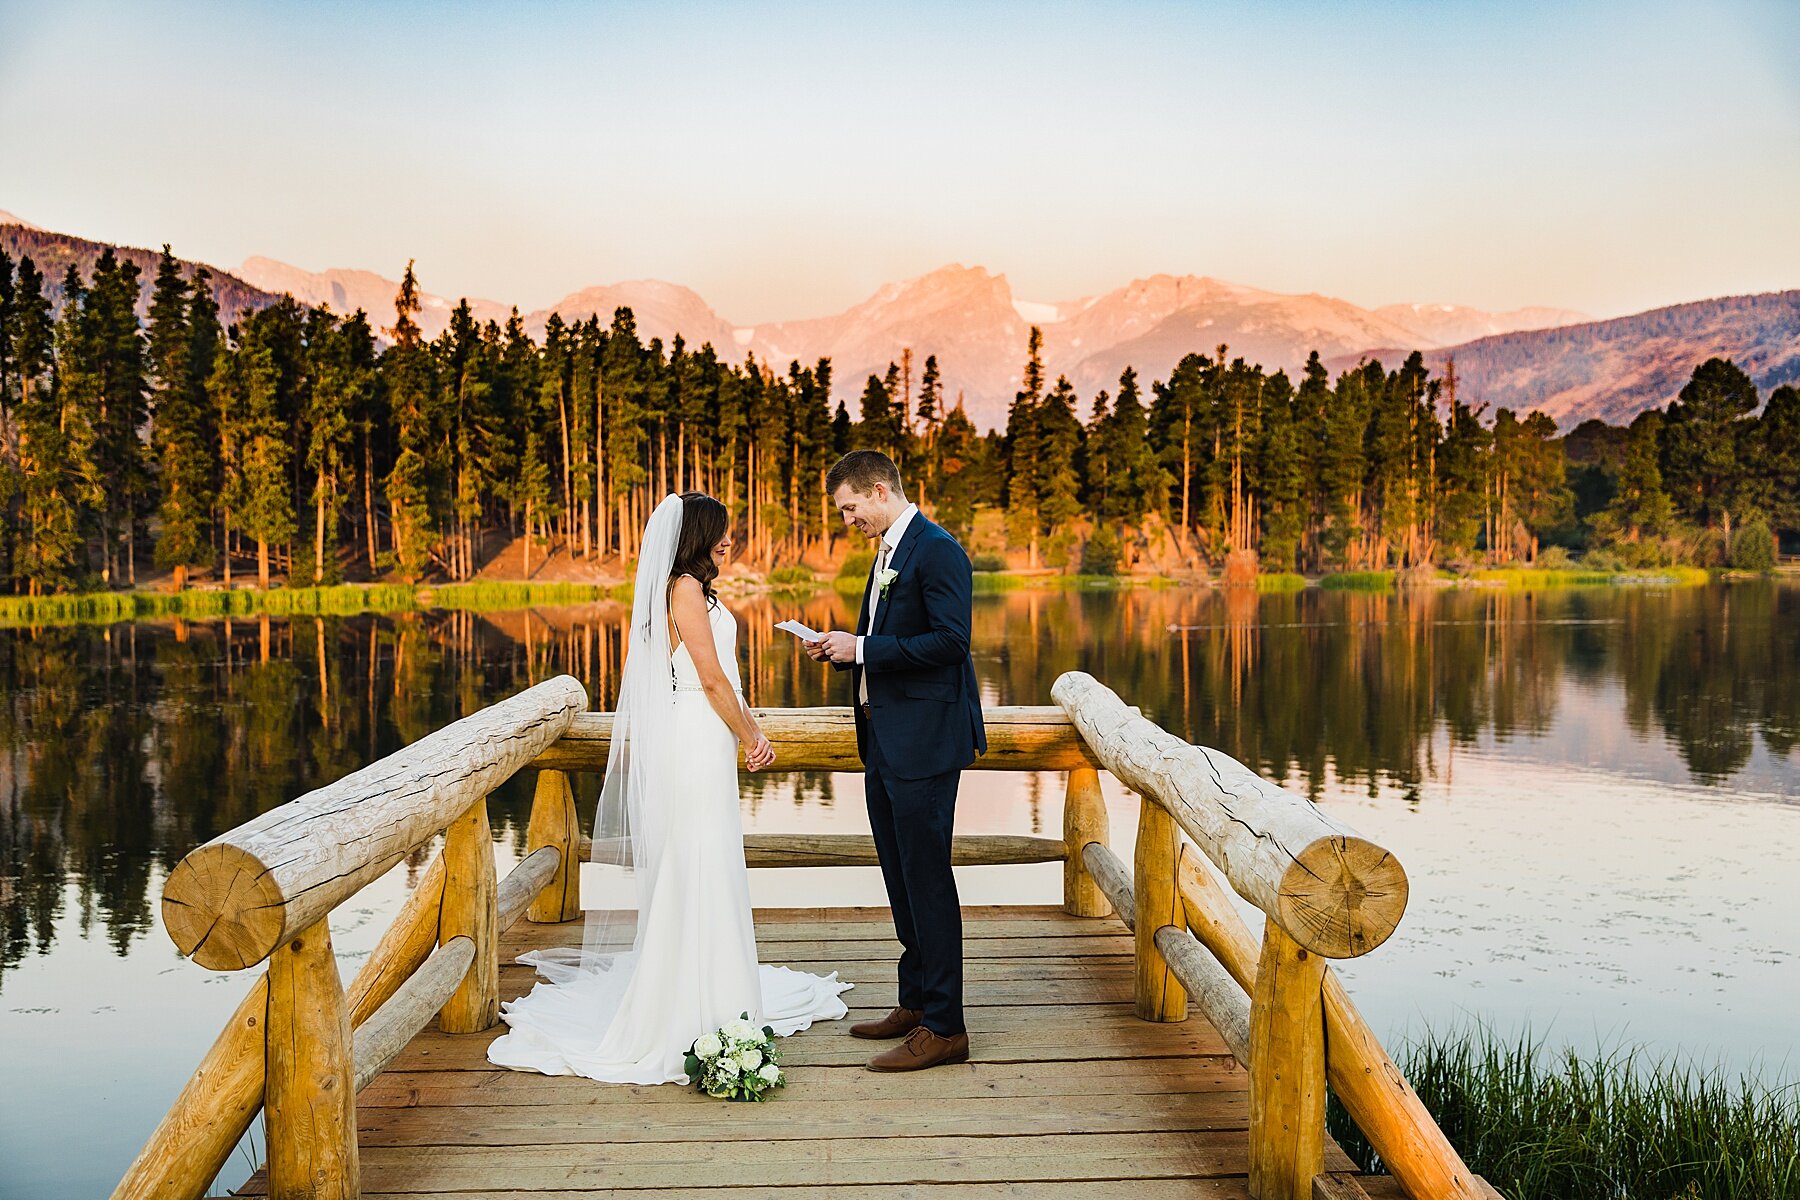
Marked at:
<point>883,580</point>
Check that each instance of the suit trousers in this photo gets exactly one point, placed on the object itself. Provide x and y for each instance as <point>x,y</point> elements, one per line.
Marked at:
<point>911,820</point>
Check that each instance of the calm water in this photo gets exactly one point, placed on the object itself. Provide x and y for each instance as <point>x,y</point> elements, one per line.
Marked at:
<point>1596,794</point>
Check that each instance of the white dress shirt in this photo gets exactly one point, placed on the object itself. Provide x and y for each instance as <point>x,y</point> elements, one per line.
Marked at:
<point>890,542</point>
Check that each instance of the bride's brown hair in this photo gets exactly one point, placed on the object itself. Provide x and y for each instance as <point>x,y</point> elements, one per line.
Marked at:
<point>704,522</point>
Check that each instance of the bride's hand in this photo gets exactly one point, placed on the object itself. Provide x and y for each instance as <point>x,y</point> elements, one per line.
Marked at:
<point>759,754</point>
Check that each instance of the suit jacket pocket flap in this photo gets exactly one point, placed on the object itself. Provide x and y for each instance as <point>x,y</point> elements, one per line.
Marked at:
<point>930,689</point>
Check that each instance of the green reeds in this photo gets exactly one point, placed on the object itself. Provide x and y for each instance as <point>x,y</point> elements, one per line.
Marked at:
<point>1359,581</point>
<point>1280,581</point>
<point>341,600</point>
<point>1607,1125</point>
<point>1531,578</point>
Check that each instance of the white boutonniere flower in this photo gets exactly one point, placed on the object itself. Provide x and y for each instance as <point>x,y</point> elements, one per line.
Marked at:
<point>885,579</point>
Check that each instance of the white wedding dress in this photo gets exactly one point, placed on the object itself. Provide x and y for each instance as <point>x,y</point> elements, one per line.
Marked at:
<point>693,963</point>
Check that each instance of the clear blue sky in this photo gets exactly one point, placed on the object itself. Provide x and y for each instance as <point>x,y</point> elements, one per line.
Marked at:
<point>785,159</point>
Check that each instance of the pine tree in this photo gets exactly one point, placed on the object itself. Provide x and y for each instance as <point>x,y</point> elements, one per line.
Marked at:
<point>1641,507</point>
<point>1777,458</point>
<point>1058,468</point>
<point>181,434</point>
<point>1281,472</point>
<point>119,403</point>
<point>407,377</point>
<point>875,417</point>
<point>261,492</point>
<point>931,414</point>
<point>1700,437</point>
<point>340,362</point>
<point>1022,447</point>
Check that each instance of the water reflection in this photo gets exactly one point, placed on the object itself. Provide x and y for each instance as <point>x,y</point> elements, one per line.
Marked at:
<point>123,747</point>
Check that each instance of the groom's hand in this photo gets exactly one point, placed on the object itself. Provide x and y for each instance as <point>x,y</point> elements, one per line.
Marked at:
<point>838,647</point>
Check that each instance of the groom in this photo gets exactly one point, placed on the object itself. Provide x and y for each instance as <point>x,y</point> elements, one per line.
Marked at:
<point>918,724</point>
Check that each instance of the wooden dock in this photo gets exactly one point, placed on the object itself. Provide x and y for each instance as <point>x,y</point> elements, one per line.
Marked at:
<point>1066,1085</point>
<point>1139,1041</point>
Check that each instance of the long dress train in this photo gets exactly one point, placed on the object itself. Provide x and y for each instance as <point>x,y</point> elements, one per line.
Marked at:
<point>695,966</point>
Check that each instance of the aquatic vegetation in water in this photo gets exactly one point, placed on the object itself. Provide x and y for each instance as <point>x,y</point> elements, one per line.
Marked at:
<point>1359,581</point>
<point>1607,1125</point>
<point>1530,578</point>
<point>1280,581</point>
<point>338,601</point>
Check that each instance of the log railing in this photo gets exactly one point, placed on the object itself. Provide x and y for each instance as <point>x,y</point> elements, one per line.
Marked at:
<point>299,1047</point>
<point>1324,893</point>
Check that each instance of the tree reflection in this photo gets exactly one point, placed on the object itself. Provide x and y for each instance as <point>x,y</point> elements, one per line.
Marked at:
<point>123,747</point>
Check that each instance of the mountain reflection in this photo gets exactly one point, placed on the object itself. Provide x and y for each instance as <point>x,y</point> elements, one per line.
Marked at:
<point>123,747</point>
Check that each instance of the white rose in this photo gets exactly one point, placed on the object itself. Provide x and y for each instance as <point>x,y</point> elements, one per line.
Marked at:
<point>727,1069</point>
<point>749,1059</point>
<point>741,1030</point>
<point>887,576</point>
<point>770,1073</point>
<point>708,1046</point>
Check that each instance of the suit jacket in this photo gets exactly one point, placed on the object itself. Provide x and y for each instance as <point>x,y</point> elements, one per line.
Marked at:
<point>921,682</point>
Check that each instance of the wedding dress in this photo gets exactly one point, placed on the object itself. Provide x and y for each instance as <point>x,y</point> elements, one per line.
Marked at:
<point>649,980</point>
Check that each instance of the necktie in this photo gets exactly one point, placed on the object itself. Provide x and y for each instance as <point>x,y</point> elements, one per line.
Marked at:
<point>881,558</point>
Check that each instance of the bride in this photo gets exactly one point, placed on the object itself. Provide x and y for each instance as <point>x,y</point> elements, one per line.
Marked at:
<point>669,951</point>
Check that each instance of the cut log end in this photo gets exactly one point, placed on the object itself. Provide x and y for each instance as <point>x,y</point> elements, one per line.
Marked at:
<point>223,908</point>
<point>1342,896</point>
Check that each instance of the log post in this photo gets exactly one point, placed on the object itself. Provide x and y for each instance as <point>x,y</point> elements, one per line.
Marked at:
<point>1159,996</point>
<point>470,910</point>
<point>232,901</point>
<point>1375,1093</point>
<point>1335,893</point>
<point>554,823</point>
<point>1084,821</point>
<point>310,1105</point>
<point>1287,1069</point>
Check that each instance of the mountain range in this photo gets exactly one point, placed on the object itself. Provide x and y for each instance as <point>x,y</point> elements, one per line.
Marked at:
<point>1558,360</point>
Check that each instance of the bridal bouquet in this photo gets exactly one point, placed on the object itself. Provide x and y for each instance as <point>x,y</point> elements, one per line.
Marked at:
<point>739,1062</point>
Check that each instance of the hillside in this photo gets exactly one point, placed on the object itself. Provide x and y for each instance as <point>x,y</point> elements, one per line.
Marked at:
<point>1616,369</point>
<point>54,252</point>
<point>1548,358</point>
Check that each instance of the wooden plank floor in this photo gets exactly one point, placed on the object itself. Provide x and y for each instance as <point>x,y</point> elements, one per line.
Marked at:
<point>1066,1085</point>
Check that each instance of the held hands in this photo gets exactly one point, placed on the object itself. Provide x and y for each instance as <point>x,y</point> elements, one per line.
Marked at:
<point>836,646</point>
<point>758,754</point>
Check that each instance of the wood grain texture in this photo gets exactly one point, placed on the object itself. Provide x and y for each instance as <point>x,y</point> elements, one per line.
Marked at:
<point>554,824</point>
<point>229,903</point>
<point>858,850</point>
<point>1084,821</point>
<point>387,1031</point>
<point>528,878</point>
<point>1287,1069</point>
<point>1020,738</point>
<point>1068,1092</point>
<point>1333,892</point>
<point>471,910</point>
<point>310,1106</point>
<point>1373,1090</point>
<point>1160,996</point>
<point>216,1105</point>
<point>1207,985</point>
<point>408,941</point>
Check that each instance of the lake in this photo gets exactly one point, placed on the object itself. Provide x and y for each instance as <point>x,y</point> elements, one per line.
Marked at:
<point>1596,794</point>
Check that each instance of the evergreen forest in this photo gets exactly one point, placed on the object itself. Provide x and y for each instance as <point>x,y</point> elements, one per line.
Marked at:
<point>300,445</point>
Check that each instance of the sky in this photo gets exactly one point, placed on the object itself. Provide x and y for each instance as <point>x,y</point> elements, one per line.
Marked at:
<point>785,160</point>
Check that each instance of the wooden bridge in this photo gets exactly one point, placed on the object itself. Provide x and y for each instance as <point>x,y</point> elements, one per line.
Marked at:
<point>1139,1042</point>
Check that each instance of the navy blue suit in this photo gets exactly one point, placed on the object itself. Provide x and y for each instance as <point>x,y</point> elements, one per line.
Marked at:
<point>924,728</point>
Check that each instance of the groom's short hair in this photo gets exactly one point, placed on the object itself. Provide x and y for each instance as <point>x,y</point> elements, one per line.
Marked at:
<point>862,470</point>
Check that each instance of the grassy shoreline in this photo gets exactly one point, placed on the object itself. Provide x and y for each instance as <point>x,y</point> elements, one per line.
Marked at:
<point>351,599</point>
<point>339,600</point>
<point>1604,1125</point>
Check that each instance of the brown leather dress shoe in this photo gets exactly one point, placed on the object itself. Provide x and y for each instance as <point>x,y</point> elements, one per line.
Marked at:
<point>921,1049</point>
<point>898,1023</point>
